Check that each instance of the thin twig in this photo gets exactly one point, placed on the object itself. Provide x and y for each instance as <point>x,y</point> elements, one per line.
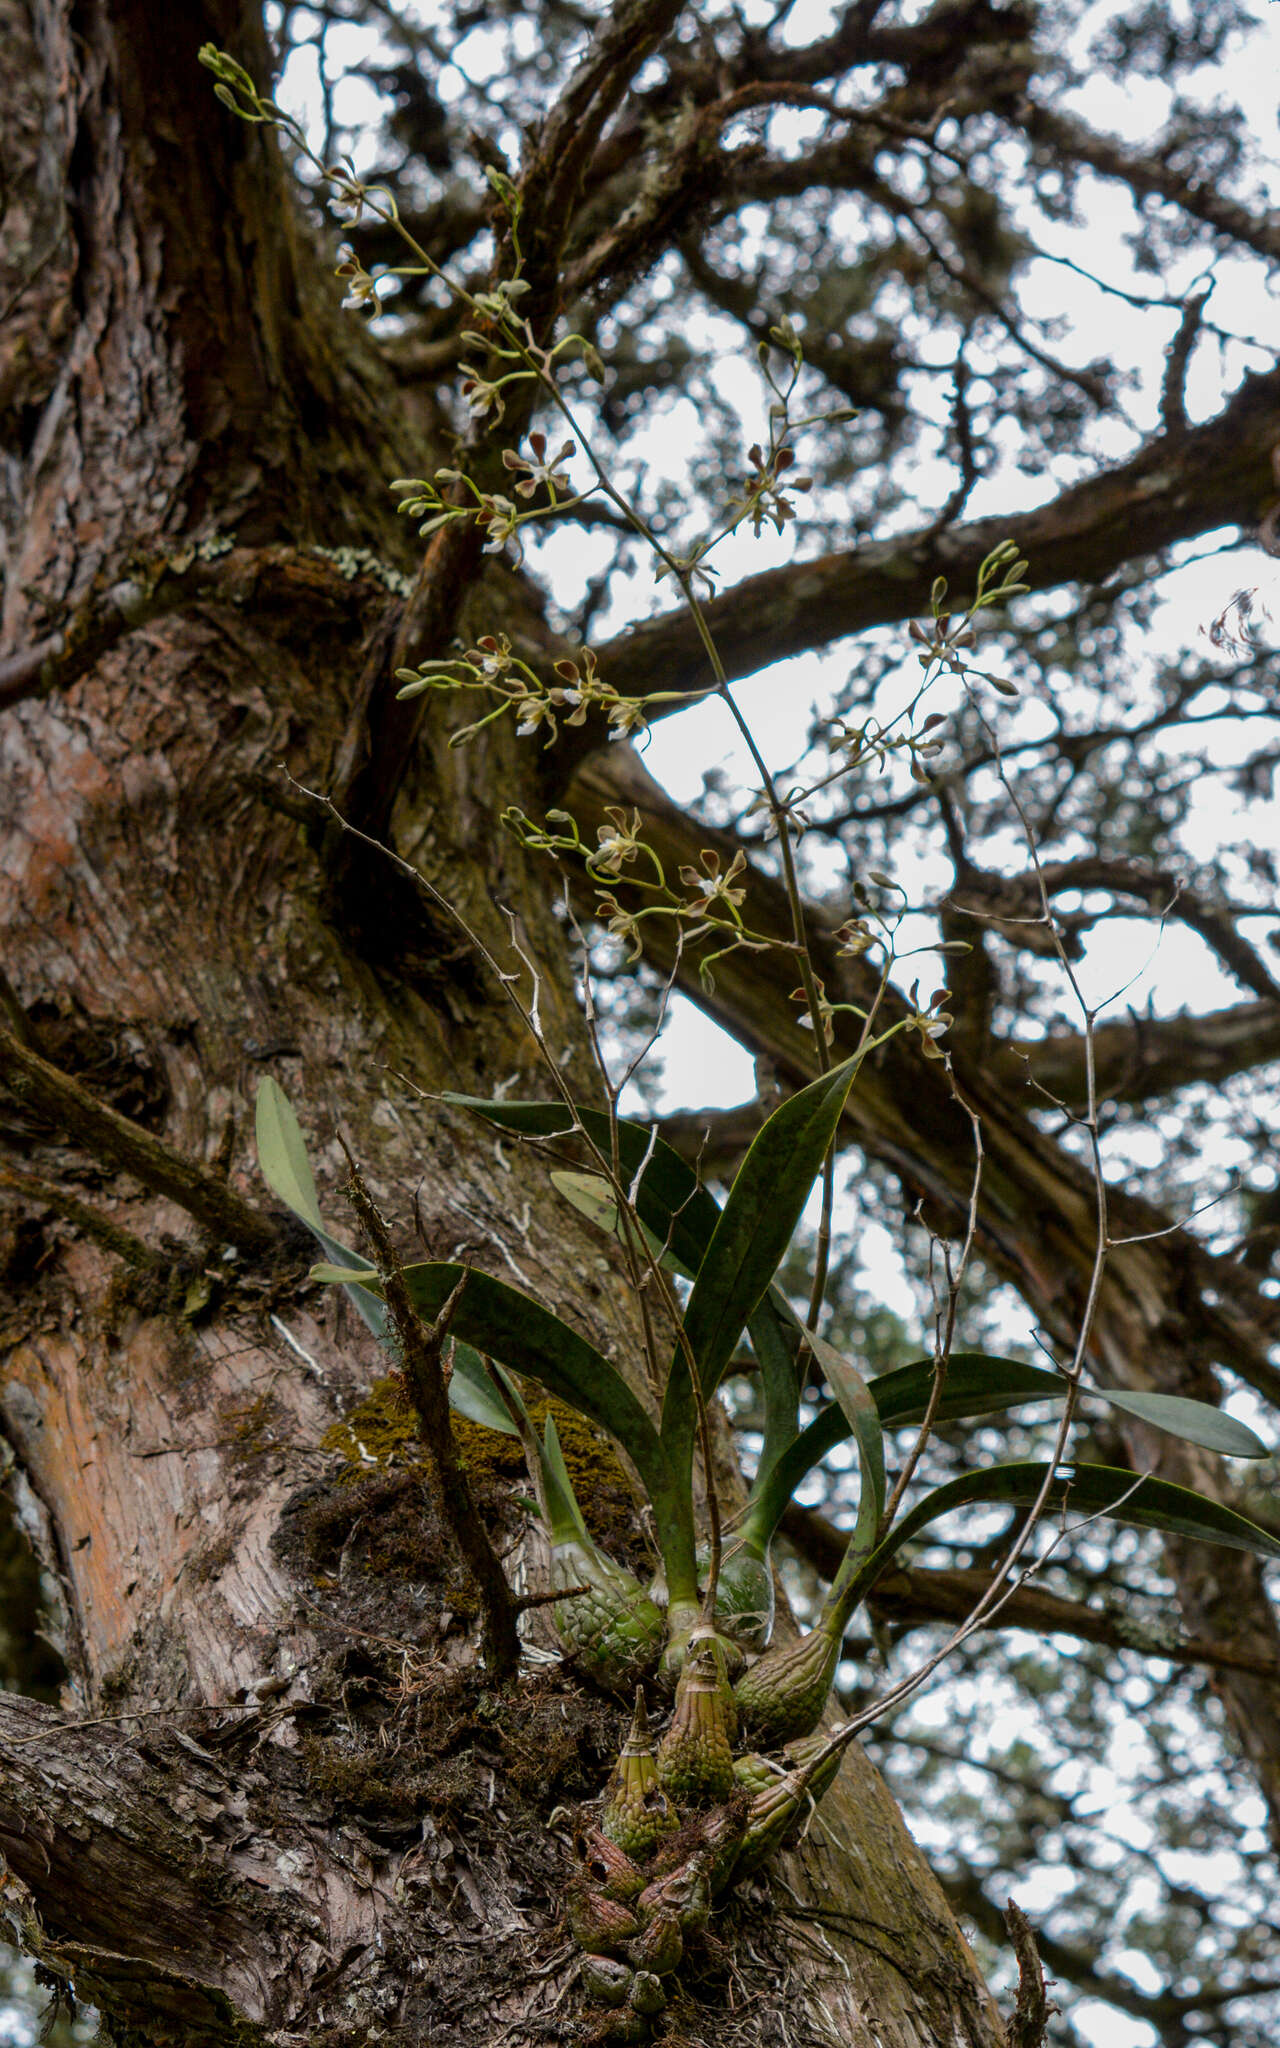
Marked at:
<point>422,1362</point>
<point>1029,2022</point>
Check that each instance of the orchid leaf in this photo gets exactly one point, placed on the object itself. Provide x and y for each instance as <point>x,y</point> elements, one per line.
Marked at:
<point>472,1392</point>
<point>1196,1422</point>
<point>854,1397</point>
<point>471,1389</point>
<point>1139,1500</point>
<point>283,1162</point>
<point>669,1198</point>
<point>680,1217</point>
<point>593,1198</point>
<point>750,1238</point>
<point>528,1339</point>
<point>282,1154</point>
<point>976,1384</point>
<point>774,1335</point>
<point>333,1275</point>
<point>858,1405</point>
<point>564,1516</point>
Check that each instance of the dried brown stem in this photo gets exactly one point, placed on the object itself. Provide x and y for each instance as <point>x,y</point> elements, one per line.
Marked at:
<point>422,1362</point>
<point>1029,2022</point>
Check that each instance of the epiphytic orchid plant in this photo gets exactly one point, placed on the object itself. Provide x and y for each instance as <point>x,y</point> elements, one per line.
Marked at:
<point>684,1815</point>
<point>742,1761</point>
<point>731,1253</point>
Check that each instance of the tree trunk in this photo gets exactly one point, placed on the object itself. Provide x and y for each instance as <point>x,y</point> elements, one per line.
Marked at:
<point>280,1799</point>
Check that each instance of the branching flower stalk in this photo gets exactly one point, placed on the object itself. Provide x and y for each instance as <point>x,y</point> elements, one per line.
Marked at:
<point>762,496</point>
<point>647,1884</point>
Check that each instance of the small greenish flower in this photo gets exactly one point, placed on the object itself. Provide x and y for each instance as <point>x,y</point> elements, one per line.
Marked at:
<point>491,655</point>
<point>621,923</point>
<point>539,469</point>
<point>499,519</point>
<point>534,712</point>
<point>627,715</point>
<point>620,842</point>
<point>362,289</point>
<point>481,396</point>
<point>348,202</point>
<point>498,304</point>
<point>711,884</point>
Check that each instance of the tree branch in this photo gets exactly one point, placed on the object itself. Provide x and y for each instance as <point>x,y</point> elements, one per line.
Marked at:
<point>1176,486</point>
<point>915,1598</point>
<point>1033,2011</point>
<point>1079,1967</point>
<point>1147,1057</point>
<point>104,1134</point>
<point>1004,898</point>
<point>1063,137</point>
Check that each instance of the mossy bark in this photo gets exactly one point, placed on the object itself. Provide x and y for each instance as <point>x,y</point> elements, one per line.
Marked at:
<point>293,1811</point>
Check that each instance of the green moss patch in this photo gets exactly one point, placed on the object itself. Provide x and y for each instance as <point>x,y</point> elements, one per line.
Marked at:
<point>382,1431</point>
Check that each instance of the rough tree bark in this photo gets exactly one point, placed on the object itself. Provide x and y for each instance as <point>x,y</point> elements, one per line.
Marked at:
<point>277,1801</point>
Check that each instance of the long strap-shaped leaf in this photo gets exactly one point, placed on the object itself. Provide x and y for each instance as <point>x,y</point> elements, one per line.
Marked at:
<point>526,1338</point>
<point>564,1516</point>
<point>283,1162</point>
<point>976,1384</point>
<point>1196,1422</point>
<point>1142,1502</point>
<point>670,1199</point>
<point>856,1400</point>
<point>681,1215</point>
<point>282,1158</point>
<point>775,1339</point>
<point>754,1229</point>
<point>858,1403</point>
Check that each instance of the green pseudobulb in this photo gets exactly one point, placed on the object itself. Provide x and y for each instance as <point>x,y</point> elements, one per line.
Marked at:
<point>782,1695</point>
<point>695,1756</point>
<point>637,1812</point>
